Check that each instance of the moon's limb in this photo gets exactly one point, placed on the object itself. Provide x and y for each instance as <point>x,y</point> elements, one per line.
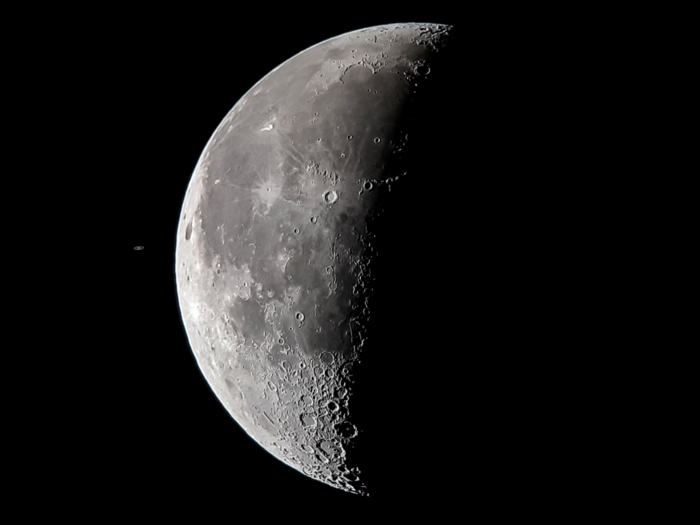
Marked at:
<point>274,252</point>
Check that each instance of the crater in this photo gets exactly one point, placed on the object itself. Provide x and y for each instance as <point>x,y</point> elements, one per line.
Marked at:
<point>330,196</point>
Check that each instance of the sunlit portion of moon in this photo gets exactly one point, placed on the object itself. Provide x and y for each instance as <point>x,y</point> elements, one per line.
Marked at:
<point>274,247</point>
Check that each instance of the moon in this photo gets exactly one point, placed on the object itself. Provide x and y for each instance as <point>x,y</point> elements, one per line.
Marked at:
<point>287,240</point>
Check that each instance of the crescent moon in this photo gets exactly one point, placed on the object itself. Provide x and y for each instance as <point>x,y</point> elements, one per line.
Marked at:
<point>278,239</point>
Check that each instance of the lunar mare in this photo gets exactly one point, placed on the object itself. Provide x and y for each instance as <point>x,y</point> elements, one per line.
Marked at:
<point>275,247</point>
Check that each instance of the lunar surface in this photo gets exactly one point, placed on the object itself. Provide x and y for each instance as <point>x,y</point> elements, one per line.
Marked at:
<point>294,203</point>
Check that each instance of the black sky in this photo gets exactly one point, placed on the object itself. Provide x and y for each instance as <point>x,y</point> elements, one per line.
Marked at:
<point>159,92</point>
<point>117,105</point>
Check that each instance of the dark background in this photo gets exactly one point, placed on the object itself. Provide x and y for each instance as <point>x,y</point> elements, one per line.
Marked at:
<point>122,105</point>
<point>142,430</point>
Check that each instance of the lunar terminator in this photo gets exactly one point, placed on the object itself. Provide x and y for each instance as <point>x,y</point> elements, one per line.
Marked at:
<point>277,243</point>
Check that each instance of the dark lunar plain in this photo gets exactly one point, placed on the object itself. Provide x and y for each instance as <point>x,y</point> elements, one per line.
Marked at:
<point>493,280</point>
